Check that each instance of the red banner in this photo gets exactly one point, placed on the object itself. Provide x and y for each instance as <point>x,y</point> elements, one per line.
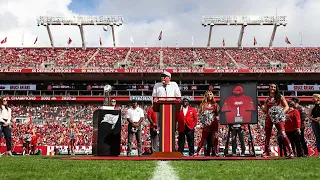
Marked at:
<point>157,70</point>
<point>118,98</point>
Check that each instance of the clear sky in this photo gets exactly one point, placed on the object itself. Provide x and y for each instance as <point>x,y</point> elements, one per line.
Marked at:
<point>144,19</point>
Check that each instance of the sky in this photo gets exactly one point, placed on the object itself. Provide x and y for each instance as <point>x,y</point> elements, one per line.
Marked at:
<point>179,20</point>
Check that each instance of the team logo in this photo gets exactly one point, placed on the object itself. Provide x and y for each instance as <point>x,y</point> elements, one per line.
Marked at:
<point>111,119</point>
<point>238,103</point>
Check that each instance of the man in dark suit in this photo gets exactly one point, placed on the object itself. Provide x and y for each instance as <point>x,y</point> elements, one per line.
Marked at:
<point>187,120</point>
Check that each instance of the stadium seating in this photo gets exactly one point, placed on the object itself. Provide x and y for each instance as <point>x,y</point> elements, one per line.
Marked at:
<point>152,57</point>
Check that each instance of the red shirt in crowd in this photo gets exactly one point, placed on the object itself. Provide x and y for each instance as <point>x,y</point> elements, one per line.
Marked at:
<point>293,122</point>
<point>152,115</point>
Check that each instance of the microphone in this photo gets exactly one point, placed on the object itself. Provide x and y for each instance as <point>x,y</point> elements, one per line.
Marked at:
<point>165,86</point>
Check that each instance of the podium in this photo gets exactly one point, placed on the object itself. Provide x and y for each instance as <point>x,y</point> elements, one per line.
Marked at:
<point>166,108</point>
<point>106,132</point>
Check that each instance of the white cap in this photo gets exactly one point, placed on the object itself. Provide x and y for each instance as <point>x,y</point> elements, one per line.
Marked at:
<point>166,73</point>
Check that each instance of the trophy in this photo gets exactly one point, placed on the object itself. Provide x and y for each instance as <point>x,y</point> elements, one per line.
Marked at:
<point>106,92</point>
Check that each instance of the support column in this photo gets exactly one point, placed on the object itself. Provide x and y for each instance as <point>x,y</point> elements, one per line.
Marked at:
<point>273,35</point>
<point>50,36</point>
<point>209,39</point>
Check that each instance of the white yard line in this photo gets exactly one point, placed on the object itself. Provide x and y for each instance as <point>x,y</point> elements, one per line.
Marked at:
<point>164,171</point>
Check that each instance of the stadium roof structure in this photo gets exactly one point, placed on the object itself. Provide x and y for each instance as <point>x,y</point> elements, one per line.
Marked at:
<point>244,21</point>
<point>80,21</point>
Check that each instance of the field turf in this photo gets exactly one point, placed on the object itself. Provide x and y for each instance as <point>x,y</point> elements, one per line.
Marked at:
<point>46,167</point>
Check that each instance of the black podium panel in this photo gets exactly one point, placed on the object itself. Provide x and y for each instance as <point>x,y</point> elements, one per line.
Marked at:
<point>106,132</point>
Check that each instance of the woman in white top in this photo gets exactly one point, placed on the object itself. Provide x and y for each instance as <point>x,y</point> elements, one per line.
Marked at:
<point>5,123</point>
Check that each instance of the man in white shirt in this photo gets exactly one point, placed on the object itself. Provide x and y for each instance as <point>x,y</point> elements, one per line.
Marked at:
<point>135,116</point>
<point>166,88</point>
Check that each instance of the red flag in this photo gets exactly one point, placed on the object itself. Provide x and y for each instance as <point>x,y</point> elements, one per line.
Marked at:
<point>254,41</point>
<point>287,40</point>
<point>4,40</point>
<point>223,43</point>
<point>36,40</point>
<point>100,41</point>
<point>69,41</point>
<point>160,36</point>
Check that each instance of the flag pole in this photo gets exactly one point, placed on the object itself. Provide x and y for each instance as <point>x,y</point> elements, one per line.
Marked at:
<point>177,43</point>
<point>22,41</point>
<point>146,43</point>
<point>192,44</point>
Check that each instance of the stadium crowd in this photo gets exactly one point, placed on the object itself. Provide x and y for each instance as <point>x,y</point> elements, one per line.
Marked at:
<point>152,57</point>
<point>51,125</point>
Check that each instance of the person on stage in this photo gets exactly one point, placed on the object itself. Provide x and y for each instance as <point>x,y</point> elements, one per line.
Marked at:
<point>166,88</point>
<point>292,127</point>
<point>5,123</point>
<point>187,121</point>
<point>303,116</point>
<point>209,110</point>
<point>237,130</point>
<point>276,105</point>
<point>135,116</point>
<point>282,147</point>
<point>73,136</point>
<point>314,116</point>
<point>154,131</point>
<point>113,103</point>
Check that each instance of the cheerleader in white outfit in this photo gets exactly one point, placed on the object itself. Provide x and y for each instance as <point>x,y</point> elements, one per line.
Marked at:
<point>5,123</point>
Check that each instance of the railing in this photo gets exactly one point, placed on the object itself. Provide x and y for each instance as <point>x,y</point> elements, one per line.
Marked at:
<point>134,93</point>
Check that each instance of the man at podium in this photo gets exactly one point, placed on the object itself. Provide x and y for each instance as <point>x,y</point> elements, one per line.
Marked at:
<point>166,88</point>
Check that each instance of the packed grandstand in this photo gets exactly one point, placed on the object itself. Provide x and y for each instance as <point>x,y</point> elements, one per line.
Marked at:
<point>246,58</point>
<point>50,102</point>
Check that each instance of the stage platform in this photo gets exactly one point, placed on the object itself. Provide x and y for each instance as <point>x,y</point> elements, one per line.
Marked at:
<point>186,158</point>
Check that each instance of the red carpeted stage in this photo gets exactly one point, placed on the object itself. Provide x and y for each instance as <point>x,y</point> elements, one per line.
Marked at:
<point>151,158</point>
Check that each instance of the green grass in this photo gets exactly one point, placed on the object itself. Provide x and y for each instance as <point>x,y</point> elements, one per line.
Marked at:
<point>39,167</point>
<point>298,168</point>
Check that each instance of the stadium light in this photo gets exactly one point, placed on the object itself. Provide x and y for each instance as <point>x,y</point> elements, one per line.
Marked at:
<point>244,21</point>
<point>80,21</point>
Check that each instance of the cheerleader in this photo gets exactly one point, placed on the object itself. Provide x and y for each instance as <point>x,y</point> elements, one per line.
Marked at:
<point>208,112</point>
<point>5,123</point>
<point>73,135</point>
<point>34,140</point>
<point>275,107</point>
<point>27,141</point>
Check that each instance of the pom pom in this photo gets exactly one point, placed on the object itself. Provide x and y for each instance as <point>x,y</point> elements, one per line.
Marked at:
<point>276,114</point>
<point>207,117</point>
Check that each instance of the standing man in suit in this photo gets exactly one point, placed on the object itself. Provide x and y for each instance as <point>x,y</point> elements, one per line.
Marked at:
<point>187,120</point>
<point>166,88</point>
